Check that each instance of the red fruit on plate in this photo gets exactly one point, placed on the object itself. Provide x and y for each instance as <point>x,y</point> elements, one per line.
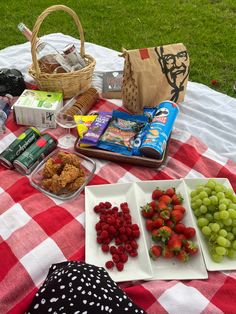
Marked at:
<point>105,248</point>
<point>156,194</point>
<point>169,223</point>
<point>158,222</point>
<point>183,256</point>
<point>155,235</point>
<point>191,247</point>
<point>120,266</point>
<point>166,252</point>
<point>176,215</point>
<point>189,232</point>
<point>164,233</point>
<point>180,207</point>
<point>170,192</point>
<point>179,228</point>
<point>174,243</point>
<point>153,204</point>
<point>165,214</point>
<point>109,264</point>
<point>155,251</point>
<point>147,211</point>
<point>162,206</point>
<point>165,199</point>
<point>149,224</point>
<point>177,199</point>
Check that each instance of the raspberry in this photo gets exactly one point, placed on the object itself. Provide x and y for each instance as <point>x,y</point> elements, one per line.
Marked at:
<point>109,264</point>
<point>120,249</point>
<point>115,258</point>
<point>113,249</point>
<point>99,240</point>
<point>107,205</point>
<point>97,209</point>
<point>136,233</point>
<point>128,247</point>
<point>124,257</point>
<point>135,227</point>
<point>98,226</point>
<point>105,248</point>
<point>120,266</point>
<point>112,230</point>
<point>133,253</point>
<point>104,235</point>
<point>115,209</point>
<point>118,241</point>
<point>128,231</point>
<point>134,244</point>
<point>122,230</point>
<point>123,238</point>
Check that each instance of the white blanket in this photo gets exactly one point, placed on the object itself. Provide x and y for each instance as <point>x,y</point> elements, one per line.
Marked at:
<point>205,113</point>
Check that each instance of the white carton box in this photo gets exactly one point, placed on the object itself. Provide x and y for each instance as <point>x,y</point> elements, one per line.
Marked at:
<point>37,108</point>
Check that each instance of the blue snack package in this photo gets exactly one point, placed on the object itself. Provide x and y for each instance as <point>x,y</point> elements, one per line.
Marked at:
<point>121,131</point>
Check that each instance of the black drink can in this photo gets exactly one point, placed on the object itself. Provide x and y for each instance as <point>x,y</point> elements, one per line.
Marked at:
<point>18,146</point>
<point>32,156</point>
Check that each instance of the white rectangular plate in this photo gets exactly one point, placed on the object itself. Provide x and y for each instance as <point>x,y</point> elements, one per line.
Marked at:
<point>171,269</point>
<point>141,267</point>
<point>136,268</point>
<point>226,264</point>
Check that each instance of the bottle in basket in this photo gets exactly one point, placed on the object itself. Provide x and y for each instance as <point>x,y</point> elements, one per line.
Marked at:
<point>32,156</point>
<point>49,58</point>
<point>73,57</point>
<point>18,146</point>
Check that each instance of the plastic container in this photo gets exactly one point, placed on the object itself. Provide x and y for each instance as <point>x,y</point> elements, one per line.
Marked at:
<point>36,176</point>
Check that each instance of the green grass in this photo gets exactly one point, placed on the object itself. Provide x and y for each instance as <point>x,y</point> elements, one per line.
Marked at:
<point>206,27</point>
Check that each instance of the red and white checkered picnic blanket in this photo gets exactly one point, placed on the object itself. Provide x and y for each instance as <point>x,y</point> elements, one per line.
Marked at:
<point>37,231</point>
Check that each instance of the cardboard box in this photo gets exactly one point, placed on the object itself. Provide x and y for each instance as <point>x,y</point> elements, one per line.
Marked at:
<point>38,108</point>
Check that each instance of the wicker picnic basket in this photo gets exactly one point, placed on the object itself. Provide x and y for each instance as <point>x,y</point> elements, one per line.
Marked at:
<point>70,83</point>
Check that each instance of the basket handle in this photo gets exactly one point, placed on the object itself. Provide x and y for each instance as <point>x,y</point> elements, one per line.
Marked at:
<point>38,23</point>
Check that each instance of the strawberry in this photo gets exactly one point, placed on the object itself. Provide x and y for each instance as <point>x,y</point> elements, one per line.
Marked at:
<point>164,233</point>
<point>155,251</point>
<point>149,224</point>
<point>179,207</point>
<point>177,199</point>
<point>174,243</point>
<point>162,206</point>
<point>176,215</point>
<point>165,199</point>
<point>191,247</point>
<point>158,222</point>
<point>169,223</point>
<point>189,232</point>
<point>147,211</point>
<point>179,228</point>
<point>183,256</point>
<point>153,204</point>
<point>165,214</point>
<point>166,252</point>
<point>182,238</point>
<point>155,235</point>
<point>170,192</point>
<point>156,194</point>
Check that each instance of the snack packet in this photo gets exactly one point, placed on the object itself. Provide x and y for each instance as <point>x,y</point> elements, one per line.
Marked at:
<point>121,131</point>
<point>96,129</point>
<point>83,124</point>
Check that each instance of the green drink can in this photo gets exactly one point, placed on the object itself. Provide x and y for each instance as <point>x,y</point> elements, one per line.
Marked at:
<point>18,146</point>
<point>35,153</point>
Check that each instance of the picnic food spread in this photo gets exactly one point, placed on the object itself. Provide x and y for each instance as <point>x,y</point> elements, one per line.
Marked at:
<point>154,226</point>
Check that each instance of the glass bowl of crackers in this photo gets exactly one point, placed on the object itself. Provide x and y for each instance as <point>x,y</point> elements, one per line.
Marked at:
<point>63,174</point>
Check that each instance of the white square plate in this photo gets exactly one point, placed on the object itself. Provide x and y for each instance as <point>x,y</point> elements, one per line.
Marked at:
<point>141,267</point>
<point>136,268</point>
<point>226,264</point>
<point>171,269</point>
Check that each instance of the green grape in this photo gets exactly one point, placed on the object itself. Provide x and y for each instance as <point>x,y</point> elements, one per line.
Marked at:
<point>225,201</point>
<point>230,236</point>
<point>232,206</point>
<point>222,207</point>
<point>197,212</point>
<point>218,188</point>
<point>222,241</point>
<point>223,233</point>
<point>213,193</point>
<point>194,206</point>
<point>228,243</point>
<point>198,202</point>
<point>234,230</point>
<point>224,214</point>
<point>214,199</point>
<point>221,224</point>
<point>216,215</point>
<point>229,193</point>
<point>212,208</point>
<point>234,244</point>
<point>206,201</point>
<point>211,184</point>
<point>202,222</point>
<point>209,217</point>
<point>231,253</point>
<point>203,194</point>
<point>203,209</point>
<point>227,222</point>
<point>215,227</point>
<point>234,199</point>
<point>220,250</point>
<point>234,222</point>
<point>220,195</point>
<point>206,231</point>
<point>208,190</point>
<point>193,193</point>
<point>216,258</point>
<point>232,213</point>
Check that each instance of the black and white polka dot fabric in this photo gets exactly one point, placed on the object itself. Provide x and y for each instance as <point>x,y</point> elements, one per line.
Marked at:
<point>80,288</point>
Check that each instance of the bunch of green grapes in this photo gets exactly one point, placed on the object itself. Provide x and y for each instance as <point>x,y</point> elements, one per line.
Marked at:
<point>214,206</point>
